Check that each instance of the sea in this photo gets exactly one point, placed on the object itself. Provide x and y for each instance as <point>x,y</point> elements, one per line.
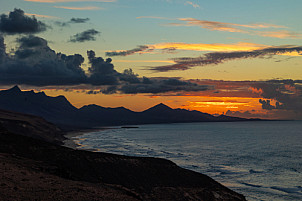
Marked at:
<point>260,159</point>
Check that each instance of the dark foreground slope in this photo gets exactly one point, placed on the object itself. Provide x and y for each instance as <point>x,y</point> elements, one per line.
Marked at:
<point>33,169</point>
<point>31,126</point>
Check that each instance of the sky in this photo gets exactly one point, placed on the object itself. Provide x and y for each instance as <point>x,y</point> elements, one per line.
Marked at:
<point>239,58</point>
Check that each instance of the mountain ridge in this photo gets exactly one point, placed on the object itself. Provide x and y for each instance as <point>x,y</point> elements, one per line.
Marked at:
<point>60,111</point>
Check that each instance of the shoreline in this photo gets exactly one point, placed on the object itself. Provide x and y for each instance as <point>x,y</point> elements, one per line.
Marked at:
<point>69,141</point>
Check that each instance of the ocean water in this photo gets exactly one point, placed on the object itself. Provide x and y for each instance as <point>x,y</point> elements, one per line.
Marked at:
<point>261,160</point>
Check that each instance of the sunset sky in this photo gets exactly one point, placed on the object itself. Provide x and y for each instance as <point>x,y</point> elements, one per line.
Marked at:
<point>240,58</point>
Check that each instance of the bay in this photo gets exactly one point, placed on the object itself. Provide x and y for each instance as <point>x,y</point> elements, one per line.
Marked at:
<point>262,160</point>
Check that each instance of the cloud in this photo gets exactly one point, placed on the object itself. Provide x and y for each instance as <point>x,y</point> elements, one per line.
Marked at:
<point>3,54</point>
<point>223,26</point>
<point>250,29</point>
<point>144,61</point>
<point>79,20</point>
<point>286,94</point>
<point>89,35</point>
<point>139,49</point>
<point>186,63</point>
<point>280,34</point>
<point>156,86</point>
<point>72,21</point>
<point>42,16</point>
<point>248,114</point>
<point>60,1</point>
<point>187,46</point>
<point>80,8</point>
<point>18,23</point>
<point>35,63</point>
<point>102,72</point>
<point>278,98</point>
<point>192,4</point>
<point>266,104</point>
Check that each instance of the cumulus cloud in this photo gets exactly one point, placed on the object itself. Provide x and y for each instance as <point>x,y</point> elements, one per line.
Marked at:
<point>286,92</point>
<point>102,71</point>
<point>266,104</point>
<point>185,63</point>
<point>16,22</point>
<point>35,63</point>
<point>88,35</point>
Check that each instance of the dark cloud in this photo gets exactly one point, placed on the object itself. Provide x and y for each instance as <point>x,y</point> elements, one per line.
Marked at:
<point>3,55</point>
<point>266,105</point>
<point>79,20</point>
<point>129,76</point>
<point>247,114</point>
<point>18,23</point>
<point>72,21</point>
<point>186,63</point>
<point>109,90</point>
<point>102,72</point>
<point>127,52</point>
<point>35,63</point>
<point>286,93</point>
<point>89,35</point>
<point>156,86</point>
<point>31,41</point>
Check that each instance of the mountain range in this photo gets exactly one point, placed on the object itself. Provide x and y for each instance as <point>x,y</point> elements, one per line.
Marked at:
<point>60,111</point>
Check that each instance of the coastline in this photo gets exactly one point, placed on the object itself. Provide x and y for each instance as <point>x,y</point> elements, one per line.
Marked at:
<point>108,176</point>
<point>70,135</point>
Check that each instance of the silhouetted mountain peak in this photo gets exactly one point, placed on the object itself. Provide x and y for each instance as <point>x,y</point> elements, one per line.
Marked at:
<point>15,89</point>
<point>159,107</point>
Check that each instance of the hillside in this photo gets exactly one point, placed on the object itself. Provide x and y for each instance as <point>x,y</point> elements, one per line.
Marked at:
<point>32,169</point>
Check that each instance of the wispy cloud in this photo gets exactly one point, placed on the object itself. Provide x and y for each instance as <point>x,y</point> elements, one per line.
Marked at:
<point>222,26</point>
<point>143,61</point>
<point>185,63</point>
<point>60,1</point>
<point>192,4</point>
<point>139,49</point>
<point>280,34</point>
<point>42,16</point>
<point>80,8</point>
<point>251,29</point>
<point>170,47</point>
<point>209,47</point>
